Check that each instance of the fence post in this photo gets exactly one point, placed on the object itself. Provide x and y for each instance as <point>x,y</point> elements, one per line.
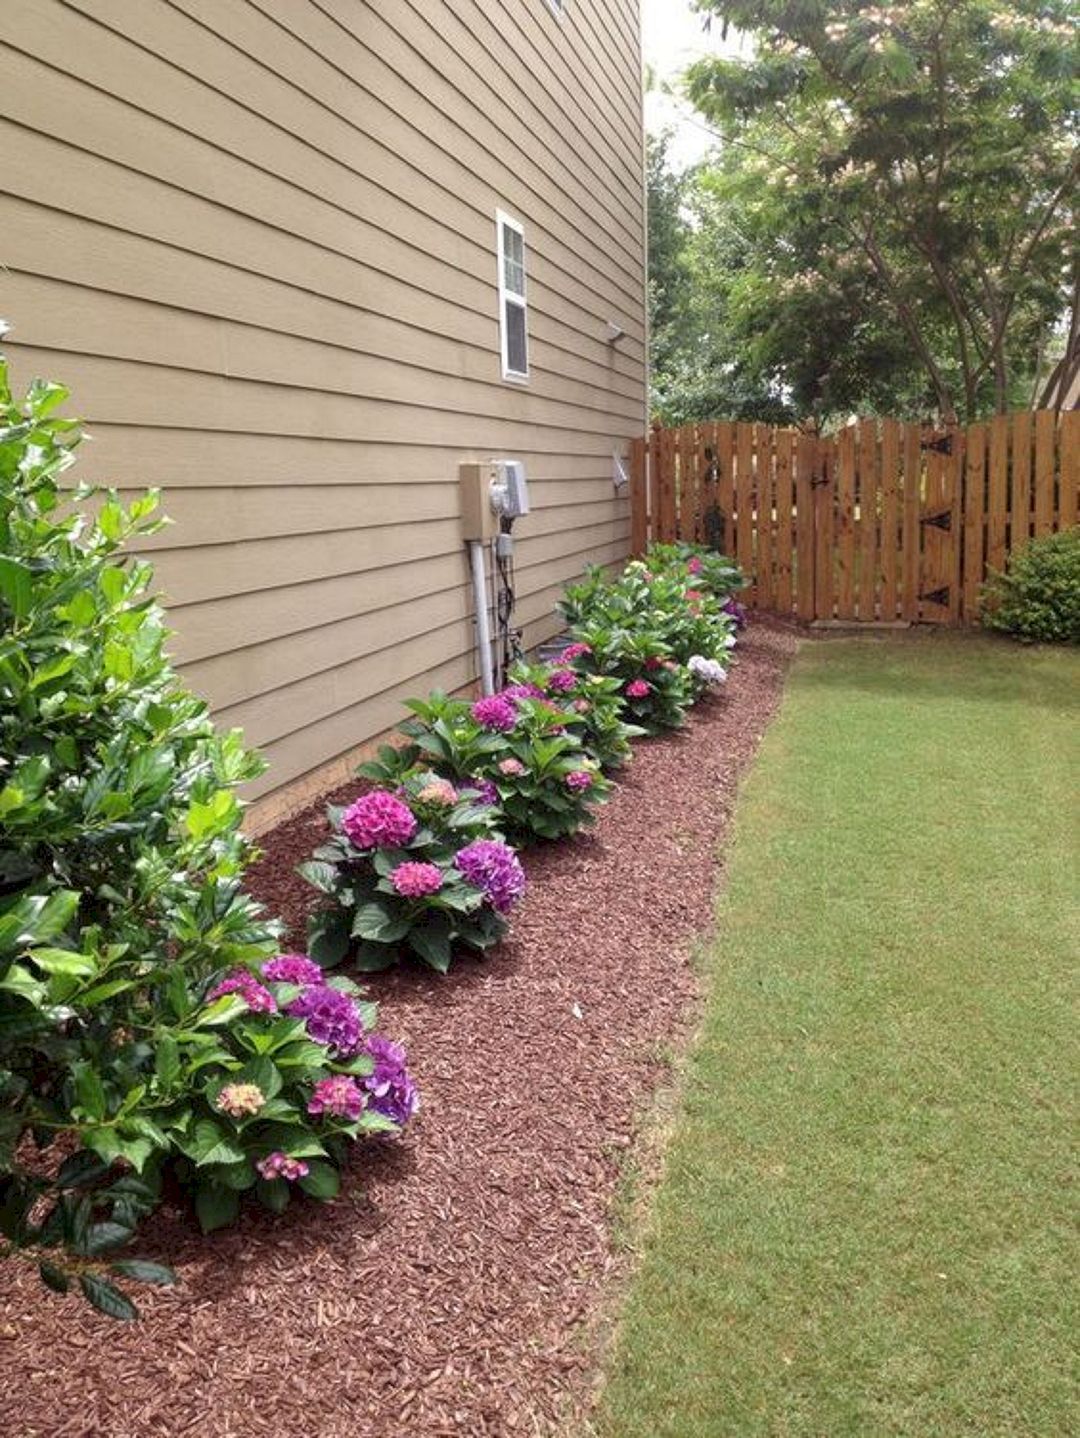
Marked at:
<point>639,498</point>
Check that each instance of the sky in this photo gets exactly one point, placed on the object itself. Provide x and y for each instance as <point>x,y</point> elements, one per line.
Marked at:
<point>673,37</point>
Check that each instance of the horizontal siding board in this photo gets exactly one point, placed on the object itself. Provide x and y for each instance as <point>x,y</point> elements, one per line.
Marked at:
<point>38,166</point>
<point>258,242</point>
<point>133,456</point>
<point>132,330</point>
<point>151,394</point>
<point>99,258</point>
<point>339,151</point>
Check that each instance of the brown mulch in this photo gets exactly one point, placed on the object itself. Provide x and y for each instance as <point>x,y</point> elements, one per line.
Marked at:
<point>449,1290</point>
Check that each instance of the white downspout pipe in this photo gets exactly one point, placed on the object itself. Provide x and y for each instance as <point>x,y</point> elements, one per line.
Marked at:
<point>483,627</point>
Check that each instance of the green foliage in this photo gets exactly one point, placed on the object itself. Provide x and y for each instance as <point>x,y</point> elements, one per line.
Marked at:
<point>1038,596</point>
<point>121,860</point>
<point>592,708</point>
<point>886,224</point>
<point>367,919</point>
<point>531,766</point>
<point>643,627</point>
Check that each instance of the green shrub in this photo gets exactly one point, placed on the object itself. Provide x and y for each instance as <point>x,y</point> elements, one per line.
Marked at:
<point>121,906</point>
<point>1038,596</point>
<point>592,705</point>
<point>521,750</point>
<point>394,873</point>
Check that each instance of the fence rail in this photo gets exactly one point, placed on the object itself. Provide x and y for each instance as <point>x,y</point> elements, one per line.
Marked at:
<point>884,521</point>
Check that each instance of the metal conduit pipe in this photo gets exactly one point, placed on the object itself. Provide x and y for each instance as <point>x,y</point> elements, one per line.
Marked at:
<point>483,626</point>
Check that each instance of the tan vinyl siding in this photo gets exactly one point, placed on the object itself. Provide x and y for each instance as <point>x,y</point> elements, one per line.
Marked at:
<point>258,242</point>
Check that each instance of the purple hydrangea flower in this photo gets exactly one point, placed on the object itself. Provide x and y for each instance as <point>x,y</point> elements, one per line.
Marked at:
<point>378,821</point>
<point>338,1095</point>
<point>523,691</point>
<point>561,680</point>
<point>330,1017</point>
<point>293,969</point>
<point>736,611</point>
<point>496,712</point>
<point>492,866</point>
<point>416,881</point>
<point>278,1165</point>
<point>247,987</point>
<point>482,791</point>
<point>579,781</point>
<point>392,1092</point>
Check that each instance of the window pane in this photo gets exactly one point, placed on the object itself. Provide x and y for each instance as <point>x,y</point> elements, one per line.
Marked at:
<point>517,345</point>
<point>514,276</point>
<point>513,245</point>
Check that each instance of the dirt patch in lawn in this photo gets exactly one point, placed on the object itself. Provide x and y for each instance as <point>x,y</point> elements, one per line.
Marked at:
<point>448,1291</point>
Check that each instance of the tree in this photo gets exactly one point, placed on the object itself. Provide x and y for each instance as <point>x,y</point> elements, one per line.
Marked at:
<point>903,176</point>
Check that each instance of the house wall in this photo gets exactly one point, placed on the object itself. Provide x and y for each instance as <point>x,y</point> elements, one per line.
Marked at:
<point>257,239</point>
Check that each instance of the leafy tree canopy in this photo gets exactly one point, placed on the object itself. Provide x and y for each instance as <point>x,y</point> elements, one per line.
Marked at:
<point>887,222</point>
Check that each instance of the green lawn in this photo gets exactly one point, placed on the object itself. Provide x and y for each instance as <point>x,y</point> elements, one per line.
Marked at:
<point>867,1220</point>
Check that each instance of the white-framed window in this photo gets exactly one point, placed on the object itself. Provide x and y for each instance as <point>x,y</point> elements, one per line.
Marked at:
<point>513,303</point>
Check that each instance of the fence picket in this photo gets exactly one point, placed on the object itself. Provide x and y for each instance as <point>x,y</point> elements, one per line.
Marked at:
<point>725,481</point>
<point>763,451</point>
<point>889,550</point>
<point>744,504</point>
<point>974,512</point>
<point>845,524</point>
<point>785,520</point>
<point>1045,434</point>
<point>867,521</point>
<point>804,523</point>
<point>1069,473</point>
<point>912,540</point>
<point>1020,510</point>
<point>997,491</point>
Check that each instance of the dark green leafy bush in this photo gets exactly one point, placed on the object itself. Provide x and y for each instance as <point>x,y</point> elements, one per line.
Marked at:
<point>397,870</point>
<point>121,907</point>
<point>1038,596</point>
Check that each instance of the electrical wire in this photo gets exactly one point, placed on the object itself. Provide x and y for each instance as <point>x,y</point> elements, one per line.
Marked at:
<point>509,638</point>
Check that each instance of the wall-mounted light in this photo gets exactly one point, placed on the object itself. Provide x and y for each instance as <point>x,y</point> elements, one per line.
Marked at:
<point>614,332</point>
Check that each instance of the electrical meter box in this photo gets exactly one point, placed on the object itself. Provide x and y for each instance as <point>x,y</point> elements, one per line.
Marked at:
<point>515,489</point>
<point>478,517</point>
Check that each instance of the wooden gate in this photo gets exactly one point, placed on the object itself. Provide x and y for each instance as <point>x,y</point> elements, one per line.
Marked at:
<point>883,522</point>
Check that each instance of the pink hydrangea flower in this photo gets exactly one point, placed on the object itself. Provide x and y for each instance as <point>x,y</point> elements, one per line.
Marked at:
<point>638,689</point>
<point>247,987</point>
<point>575,651</point>
<point>512,768</point>
<point>496,712</point>
<point>416,881</point>
<point>378,821</point>
<point>279,1165</point>
<point>582,706</point>
<point>293,969</point>
<point>654,662</point>
<point>338,1095</point>
<point>694,565</point>
<point>561,680</point>
<point>579,781</point>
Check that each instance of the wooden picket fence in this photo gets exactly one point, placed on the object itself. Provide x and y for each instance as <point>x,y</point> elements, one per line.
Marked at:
<point>883,522</point>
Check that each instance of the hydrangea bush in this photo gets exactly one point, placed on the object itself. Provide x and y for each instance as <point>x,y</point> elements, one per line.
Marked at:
<point>403,872</point>
<point>524,747</point>
<point>591,703</point>
<point>121,903</point>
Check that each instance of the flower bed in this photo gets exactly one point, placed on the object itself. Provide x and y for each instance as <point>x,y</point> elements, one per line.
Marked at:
<point>528,762</point>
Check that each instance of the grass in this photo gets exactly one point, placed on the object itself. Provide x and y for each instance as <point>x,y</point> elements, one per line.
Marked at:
<point>866,1222</point>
